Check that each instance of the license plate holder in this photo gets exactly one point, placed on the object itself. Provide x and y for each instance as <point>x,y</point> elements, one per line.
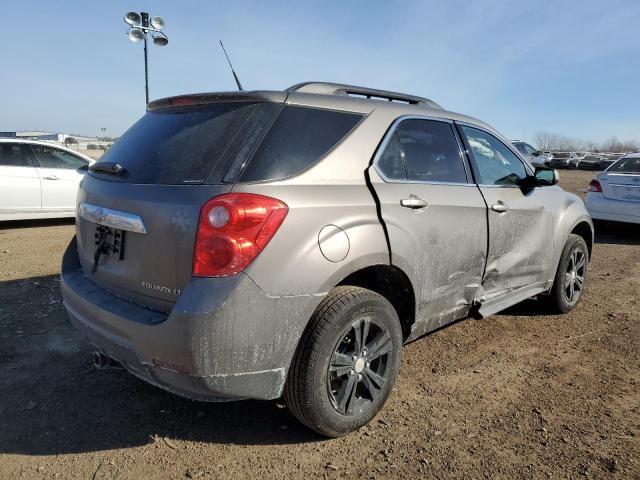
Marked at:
<point>112,241</point>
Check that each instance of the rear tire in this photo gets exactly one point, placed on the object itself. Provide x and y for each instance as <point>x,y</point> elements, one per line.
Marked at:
<point>571,275</point>
<point>346,363</point>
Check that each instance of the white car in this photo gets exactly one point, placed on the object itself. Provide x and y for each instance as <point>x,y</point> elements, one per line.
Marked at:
<point>38,179</point>
<point>615,193</point>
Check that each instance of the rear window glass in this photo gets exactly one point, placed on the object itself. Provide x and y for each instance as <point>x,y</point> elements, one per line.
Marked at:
<point>177,145</point>
<point>12,155</point>
<point>299,137</point>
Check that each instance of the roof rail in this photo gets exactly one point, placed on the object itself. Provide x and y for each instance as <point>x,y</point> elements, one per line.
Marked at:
<point>326,88</point>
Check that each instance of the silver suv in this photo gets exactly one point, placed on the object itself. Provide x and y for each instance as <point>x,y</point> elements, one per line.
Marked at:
<point>261,244</point>
<point>535,157</point>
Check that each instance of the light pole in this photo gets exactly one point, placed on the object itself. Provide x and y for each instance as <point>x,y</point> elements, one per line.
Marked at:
<point>140,25</point>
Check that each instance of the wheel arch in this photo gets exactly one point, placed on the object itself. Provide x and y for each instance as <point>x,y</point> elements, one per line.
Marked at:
<point>393,284</point>
<point>585,230</point>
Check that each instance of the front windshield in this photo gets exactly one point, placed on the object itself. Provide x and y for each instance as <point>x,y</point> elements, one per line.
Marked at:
<point>626,165</point>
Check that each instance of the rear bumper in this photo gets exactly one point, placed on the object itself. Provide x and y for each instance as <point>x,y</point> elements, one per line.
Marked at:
<point>224,338</point>
<point>602,208</point>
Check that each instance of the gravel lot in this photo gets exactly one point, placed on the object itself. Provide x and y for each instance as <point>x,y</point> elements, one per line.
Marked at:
<point>518,395</point>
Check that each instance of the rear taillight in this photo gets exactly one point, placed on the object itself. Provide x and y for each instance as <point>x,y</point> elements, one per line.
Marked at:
<point>594,186</point>
<point>232,231</point>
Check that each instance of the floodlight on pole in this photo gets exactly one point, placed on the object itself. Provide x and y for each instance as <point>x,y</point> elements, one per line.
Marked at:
<point>140,24</point>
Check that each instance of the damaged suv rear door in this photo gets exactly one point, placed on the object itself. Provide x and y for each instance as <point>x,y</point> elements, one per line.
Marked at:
<point>435,217</point>
<point>519,260</point>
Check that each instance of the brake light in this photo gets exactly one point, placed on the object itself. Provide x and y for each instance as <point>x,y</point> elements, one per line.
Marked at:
<point>184,101</point>
<point>232,231</point>
<point>594,186</point>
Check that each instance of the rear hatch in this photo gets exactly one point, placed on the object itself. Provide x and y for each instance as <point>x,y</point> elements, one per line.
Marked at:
<point>140,204</point>
<point>142,199</point>
<point>622,180</point>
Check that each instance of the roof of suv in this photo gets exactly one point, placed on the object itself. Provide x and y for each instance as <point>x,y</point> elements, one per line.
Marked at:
<point>324,88</point>
<point>328,95</point>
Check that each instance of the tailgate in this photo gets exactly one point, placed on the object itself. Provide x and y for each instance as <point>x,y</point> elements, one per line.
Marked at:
<point>138,207</point>
<point>149,268</point>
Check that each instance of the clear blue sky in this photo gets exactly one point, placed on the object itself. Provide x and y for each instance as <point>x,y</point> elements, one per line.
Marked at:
<point>570,67</point>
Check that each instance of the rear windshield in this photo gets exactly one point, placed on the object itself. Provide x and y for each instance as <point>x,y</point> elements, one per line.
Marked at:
<point>178,145</point>
<point>626,165</point>
<point>214,143</point>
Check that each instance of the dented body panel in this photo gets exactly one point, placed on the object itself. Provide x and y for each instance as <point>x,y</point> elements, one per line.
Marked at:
<point>521,243</point>
<point>441,248</point>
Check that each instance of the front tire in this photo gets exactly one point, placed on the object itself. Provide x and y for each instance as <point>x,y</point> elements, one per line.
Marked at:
<point>569,282</point>
<point>346,363</point>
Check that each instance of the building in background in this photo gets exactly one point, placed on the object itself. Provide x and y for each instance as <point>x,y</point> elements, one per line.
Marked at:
<point>69,140</point>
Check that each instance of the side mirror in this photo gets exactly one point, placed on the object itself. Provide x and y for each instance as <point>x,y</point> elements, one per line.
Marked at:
<point>84,168</point>
<point>546,177</point>
<point>537,153</point>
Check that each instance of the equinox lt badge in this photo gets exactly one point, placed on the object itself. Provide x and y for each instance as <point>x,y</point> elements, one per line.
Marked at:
<point>160,288</point>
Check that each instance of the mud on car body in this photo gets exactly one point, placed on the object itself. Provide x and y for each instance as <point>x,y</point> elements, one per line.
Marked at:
<point>266,244</point>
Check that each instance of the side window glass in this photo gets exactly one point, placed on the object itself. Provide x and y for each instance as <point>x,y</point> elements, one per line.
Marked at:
<point>495,162</point>
<point>50,157</point>
<point>299,138</point>
<point>391,161</point>
<point>431,151</point>
<point>14,155</point>
<point>528,149</point>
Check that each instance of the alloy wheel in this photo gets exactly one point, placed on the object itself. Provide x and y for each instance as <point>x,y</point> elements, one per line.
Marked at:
<point>574,276</point>
<point>359,366</point>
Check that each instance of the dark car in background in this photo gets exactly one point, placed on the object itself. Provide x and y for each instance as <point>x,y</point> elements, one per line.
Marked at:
<point>590,162</point>
<point>561,160</point>
<point>607,160</point>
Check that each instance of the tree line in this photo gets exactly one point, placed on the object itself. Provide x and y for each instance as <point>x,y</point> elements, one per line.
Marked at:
<point>554,142</point>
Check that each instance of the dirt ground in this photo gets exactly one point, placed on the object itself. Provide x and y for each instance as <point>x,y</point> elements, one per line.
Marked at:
<point>518,395</point>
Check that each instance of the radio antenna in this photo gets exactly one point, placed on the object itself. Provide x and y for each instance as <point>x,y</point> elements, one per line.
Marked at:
<point>231,66</point>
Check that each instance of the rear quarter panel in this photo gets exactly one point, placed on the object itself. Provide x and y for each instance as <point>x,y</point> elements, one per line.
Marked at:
<point>293,263</point>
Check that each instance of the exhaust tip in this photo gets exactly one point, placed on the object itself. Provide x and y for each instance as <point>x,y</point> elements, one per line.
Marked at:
<point>101,361</point>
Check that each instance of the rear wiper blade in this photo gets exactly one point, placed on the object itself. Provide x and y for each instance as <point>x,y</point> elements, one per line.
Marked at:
<point>108,167</point>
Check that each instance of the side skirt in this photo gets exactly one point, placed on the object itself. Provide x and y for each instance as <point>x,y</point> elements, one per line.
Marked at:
<point>508,299</point>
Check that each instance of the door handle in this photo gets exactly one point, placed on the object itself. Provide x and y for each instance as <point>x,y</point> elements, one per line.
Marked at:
<point>414,202</point>
<point>499,207</point>
<point>50,177</point>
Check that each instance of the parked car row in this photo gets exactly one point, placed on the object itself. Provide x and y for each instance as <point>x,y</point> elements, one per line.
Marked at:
<point>565,160</point>
<point>582,160</point>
